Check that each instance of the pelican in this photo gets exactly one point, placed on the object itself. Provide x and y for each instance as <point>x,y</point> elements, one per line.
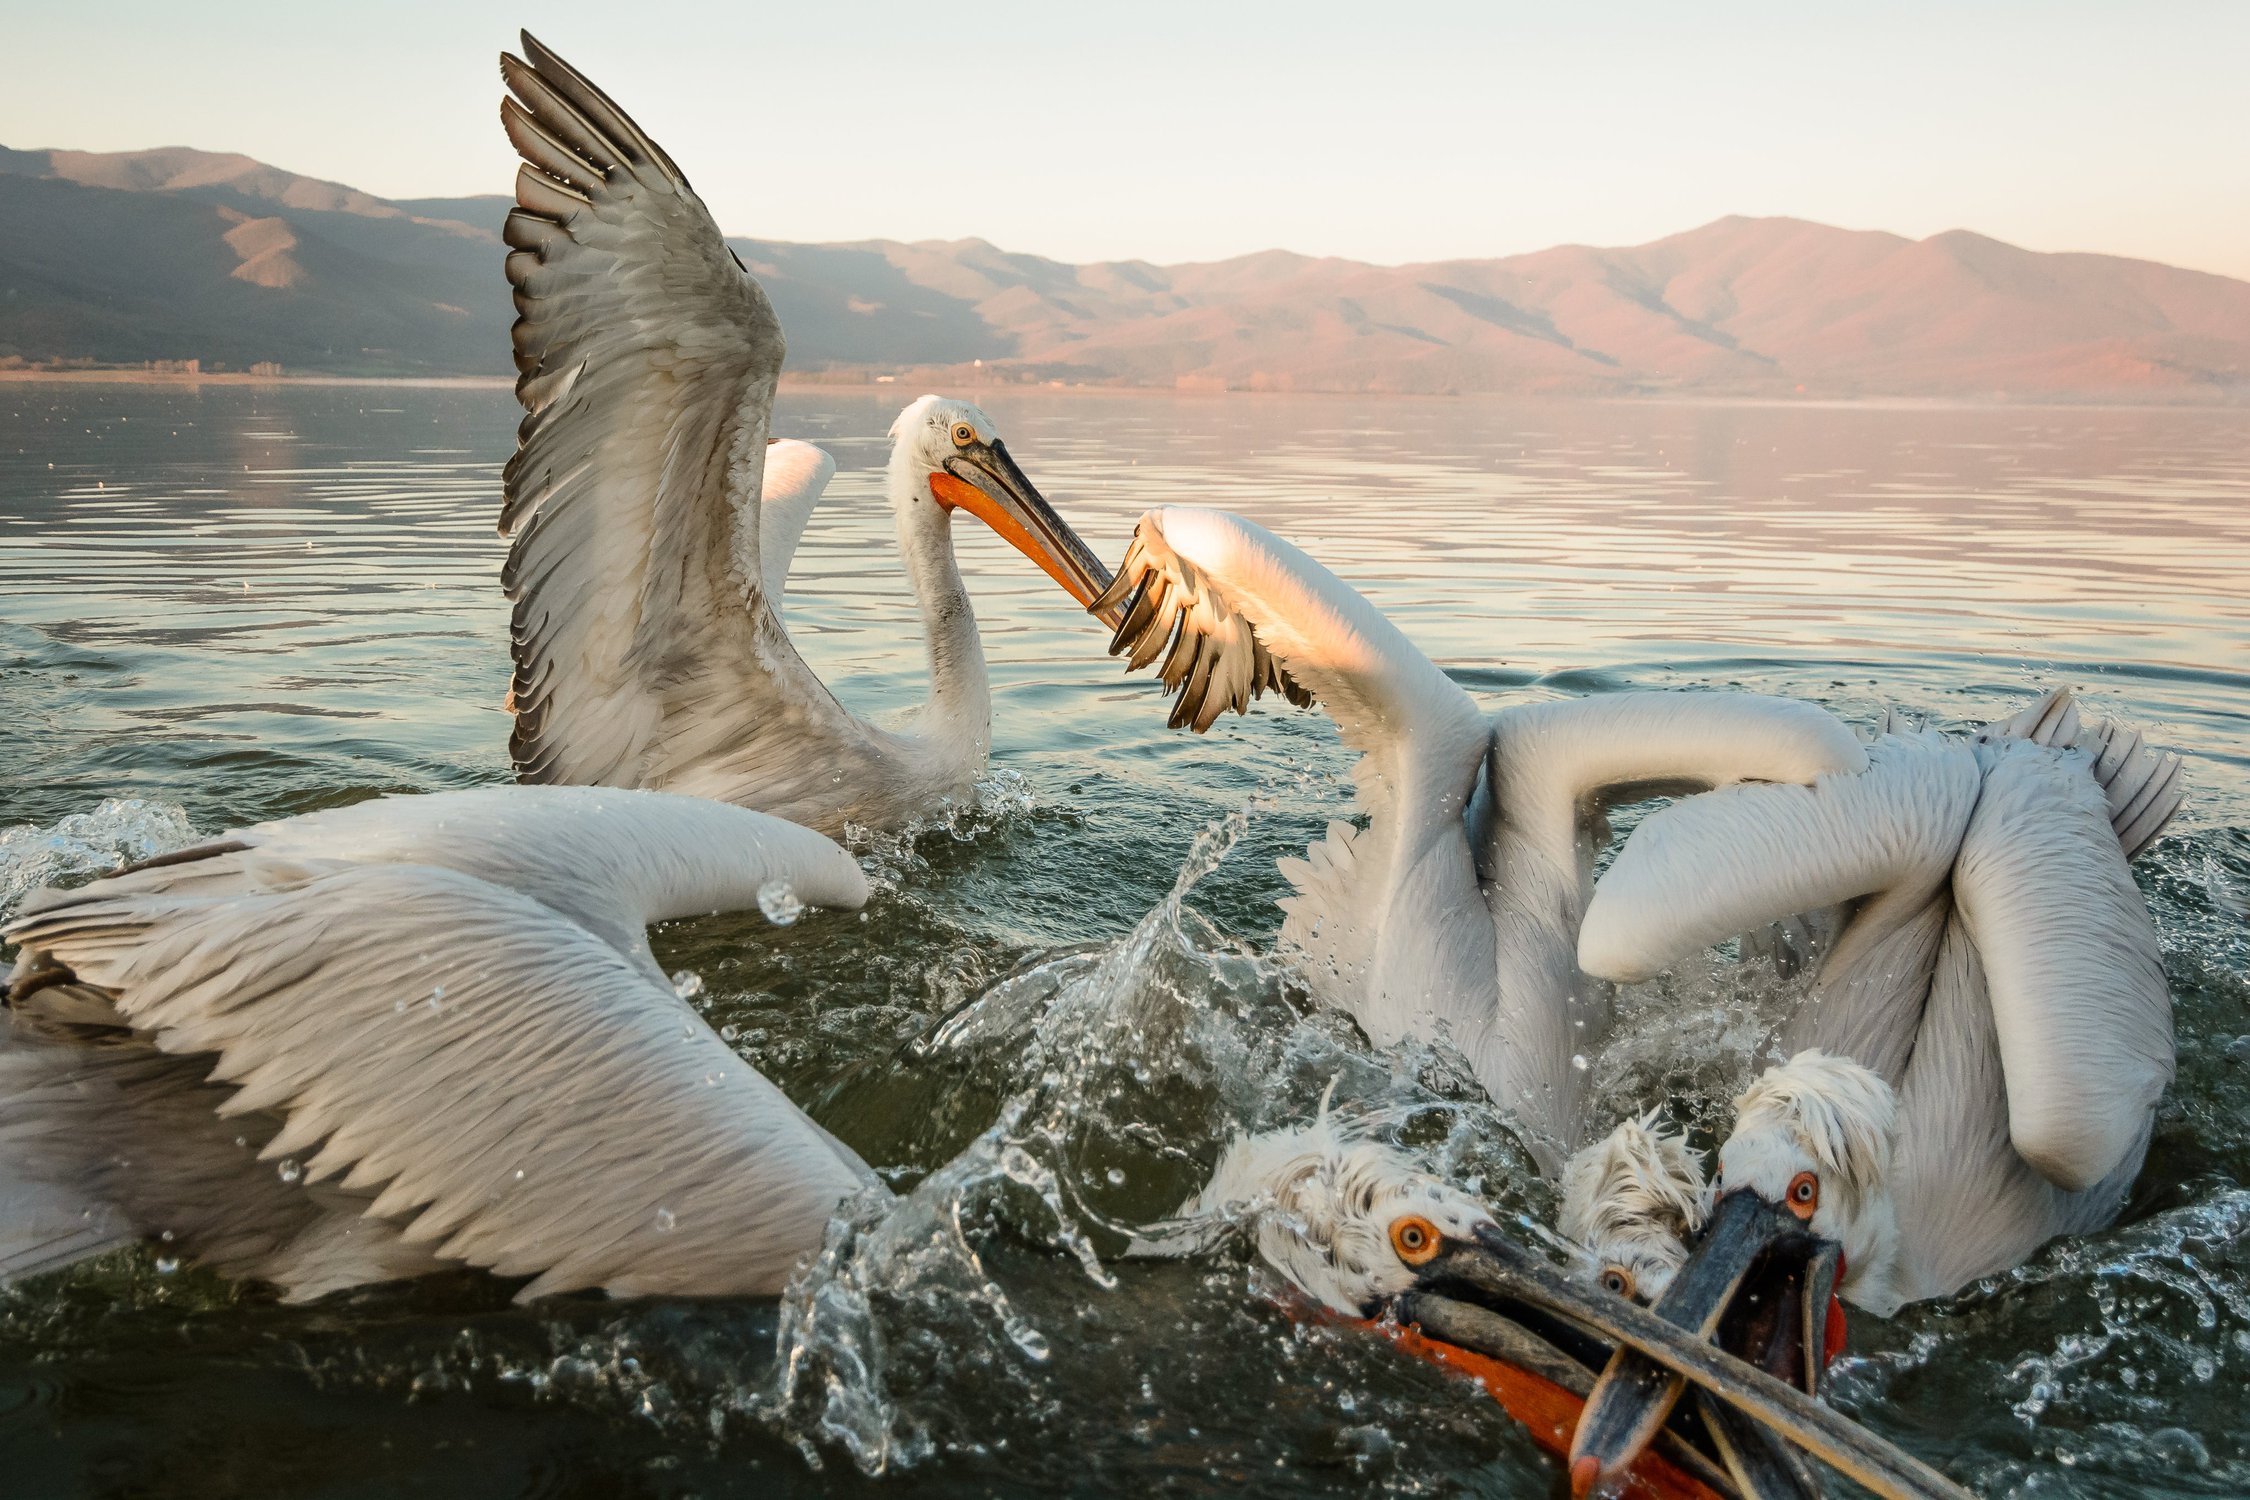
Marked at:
<point>1351,1224</point>
<point>1630,1201</point>
<point>1978,1063</point>
<point>415,1034</point>
<point>651,523</point>
<point>1456,908</point>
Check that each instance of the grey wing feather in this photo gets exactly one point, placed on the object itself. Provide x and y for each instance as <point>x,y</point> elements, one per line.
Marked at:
<point>646,653</point>
<point>505,1088</point>
<point>611,860</point>
<point>2141,782</point>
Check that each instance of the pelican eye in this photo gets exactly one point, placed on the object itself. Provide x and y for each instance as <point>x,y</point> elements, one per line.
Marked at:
<point>1618,1280</point>
<point>1416,1240</point>
<point>1803,1196</point>
<point>963,434</point>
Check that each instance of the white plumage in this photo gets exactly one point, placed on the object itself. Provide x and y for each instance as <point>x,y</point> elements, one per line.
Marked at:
<point>415,1033</point>
<point>652,523</point>
<point>1457,906</point>
<point>1995,970</point>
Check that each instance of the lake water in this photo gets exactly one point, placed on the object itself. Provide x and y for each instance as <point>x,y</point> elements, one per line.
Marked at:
<point>235,603</point>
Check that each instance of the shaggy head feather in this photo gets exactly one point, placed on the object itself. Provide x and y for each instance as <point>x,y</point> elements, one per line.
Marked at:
<point>1320,1206</point>
<point>1631,1200</point>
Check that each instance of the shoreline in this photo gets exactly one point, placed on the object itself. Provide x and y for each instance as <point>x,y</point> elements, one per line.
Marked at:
<point>916,383</point>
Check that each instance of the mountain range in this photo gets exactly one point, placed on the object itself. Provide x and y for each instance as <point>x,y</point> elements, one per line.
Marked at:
<point>175,254</point>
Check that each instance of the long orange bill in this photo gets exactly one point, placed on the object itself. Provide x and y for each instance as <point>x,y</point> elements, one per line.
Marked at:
<point>983,480</point>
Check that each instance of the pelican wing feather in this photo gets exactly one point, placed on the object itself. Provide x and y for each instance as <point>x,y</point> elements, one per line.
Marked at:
<point>609,859</point>
<point>647,651</point>
<point>1234,611</point>
<point>498,1084</point>
<point>1230,611</point>
<point>2071,959</point>
<point>1710,867</point>
<point>2141,782</point>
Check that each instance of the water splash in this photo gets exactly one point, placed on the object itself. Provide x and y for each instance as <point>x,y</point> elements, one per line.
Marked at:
<point>119,831</point>
<point>1120,1071</point>
<point>892,856</point>
<point>780,903</point>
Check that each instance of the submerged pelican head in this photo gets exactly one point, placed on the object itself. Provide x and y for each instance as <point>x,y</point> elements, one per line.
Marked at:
<point>1631,1200</point>
<point>1802,1210</point>
<point>1350,1222</point>
<point>947,455</point>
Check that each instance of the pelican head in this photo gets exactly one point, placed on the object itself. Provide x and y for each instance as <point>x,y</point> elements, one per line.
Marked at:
<point>1355,1225</point>
<point>1802,1210</point>
<point>1347,1221</point>
<point>1632,1200</point>
<point>948,455</point>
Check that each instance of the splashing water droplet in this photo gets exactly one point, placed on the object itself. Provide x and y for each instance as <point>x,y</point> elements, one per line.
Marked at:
<point>167,1264</point>
<point>1116,1177</point>
<point>779,902</point>
<point>1578,1061</point>
<point>289,1170</point>
<point>665,1220</point>
<point>687,984</point>
<point>729,1033</point>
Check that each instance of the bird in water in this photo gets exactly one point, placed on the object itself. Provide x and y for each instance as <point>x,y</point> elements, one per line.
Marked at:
<point>1631,1201</point>
<point>651,522</point>
<point>1977,1065</point>
<point>1455,909</point>
<point>1355,1228</point>
<point>416,1034</point>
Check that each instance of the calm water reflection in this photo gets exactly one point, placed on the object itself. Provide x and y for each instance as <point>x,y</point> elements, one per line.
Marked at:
<point>249,602</point>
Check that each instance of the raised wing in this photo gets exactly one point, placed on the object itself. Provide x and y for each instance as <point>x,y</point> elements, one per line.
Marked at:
<point>1229,612</point>
<point>1712,866</point>
<point>501,1087</point>
<point>2072,962</point>
<point>2140,782</point>
<point>796,476</point>
<point>646,651</point>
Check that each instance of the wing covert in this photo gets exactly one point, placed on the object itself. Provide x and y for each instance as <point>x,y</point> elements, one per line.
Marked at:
<point>646,359</point>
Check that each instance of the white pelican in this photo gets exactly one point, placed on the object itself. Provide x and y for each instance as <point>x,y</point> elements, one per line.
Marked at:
<point>1631,1200</point>
<point>1457,906</point>
<point>417,1033</point>
<point>648,544</point>
<point>1351,1223</point>
<point>1984,1046</point>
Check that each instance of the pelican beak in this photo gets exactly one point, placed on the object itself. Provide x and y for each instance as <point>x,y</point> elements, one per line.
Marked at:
<point>983,480</point>
<point>1762,1285</point>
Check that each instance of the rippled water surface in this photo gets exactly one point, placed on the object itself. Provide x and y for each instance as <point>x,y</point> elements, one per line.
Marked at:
<point>231,603</point>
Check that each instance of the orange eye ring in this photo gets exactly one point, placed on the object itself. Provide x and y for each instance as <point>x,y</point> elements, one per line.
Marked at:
<point>1416,1240</point>
<point>963,434</point>
<point>1803,1196</point>
<point>1619,1281</point>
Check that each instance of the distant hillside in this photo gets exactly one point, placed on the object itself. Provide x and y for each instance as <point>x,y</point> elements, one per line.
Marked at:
<point>177,254</point>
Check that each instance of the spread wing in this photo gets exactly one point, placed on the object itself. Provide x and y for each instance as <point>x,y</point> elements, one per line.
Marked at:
<point>498,1085</point>
<point>1228,612</point>
<point>611,860</point>
<point>646,650</point>
<point>1708,867</point>
<point>796,475</point>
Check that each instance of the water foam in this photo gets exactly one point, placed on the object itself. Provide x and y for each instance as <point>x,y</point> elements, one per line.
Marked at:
<point>117,832</point>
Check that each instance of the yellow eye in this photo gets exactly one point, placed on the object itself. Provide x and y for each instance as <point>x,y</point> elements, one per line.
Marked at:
<point>1804,1195</point>
<point>1618,1280</point>
<point>963,434</point>
<point>1416,1240</point>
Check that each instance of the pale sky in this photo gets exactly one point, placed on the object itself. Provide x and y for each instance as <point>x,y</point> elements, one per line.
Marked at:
<point>1391,132</point>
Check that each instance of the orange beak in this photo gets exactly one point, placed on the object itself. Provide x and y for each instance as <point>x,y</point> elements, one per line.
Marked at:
<point>984,481</point>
